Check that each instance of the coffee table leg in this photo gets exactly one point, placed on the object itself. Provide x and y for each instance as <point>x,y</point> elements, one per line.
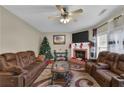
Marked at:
<point>52,78</point>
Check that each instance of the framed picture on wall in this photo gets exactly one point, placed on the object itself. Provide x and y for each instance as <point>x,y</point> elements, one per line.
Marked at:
<point>59,39</point>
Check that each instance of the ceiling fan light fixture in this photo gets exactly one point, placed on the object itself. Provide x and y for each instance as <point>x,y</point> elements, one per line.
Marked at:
<point>64,20</point>
<point>65,15</point>
<point>67,20</point>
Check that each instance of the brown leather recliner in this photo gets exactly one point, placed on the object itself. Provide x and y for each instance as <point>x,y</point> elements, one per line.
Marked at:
<point>8,73</point>
<point>23,66</point>
<point>104,75</point>
<point>118,68</point>
<point>101,57</point>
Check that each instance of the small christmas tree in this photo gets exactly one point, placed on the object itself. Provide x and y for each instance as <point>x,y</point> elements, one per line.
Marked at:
<point>45,49</point>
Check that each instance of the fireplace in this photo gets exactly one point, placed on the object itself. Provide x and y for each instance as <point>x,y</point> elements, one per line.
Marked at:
<point>80,53</point>
<point>85,49</point>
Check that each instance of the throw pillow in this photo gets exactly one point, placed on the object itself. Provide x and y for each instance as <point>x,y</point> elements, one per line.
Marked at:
<point>40,58</point>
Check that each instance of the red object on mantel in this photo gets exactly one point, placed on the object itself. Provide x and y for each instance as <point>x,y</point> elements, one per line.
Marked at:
<point>81,45</point>
<point>49,62</point>
<point>69,45</point>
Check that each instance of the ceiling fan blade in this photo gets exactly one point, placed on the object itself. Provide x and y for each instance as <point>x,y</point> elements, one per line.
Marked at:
<point>79,11</point>
<point>60,8</point>
<point>53,17</point>
<point>71,18</point>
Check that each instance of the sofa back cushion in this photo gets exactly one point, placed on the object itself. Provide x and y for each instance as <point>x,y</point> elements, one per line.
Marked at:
<point>111,59</point>
<point>2,63</point>
<point>102,56</point>
<point>31,56</point>
<point>23,59</point>
<point>10,58</point>
<point>120,63</point>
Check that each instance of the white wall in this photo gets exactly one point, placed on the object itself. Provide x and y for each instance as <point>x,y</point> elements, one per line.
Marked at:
<point>16,35</point>
<point>63,47</point>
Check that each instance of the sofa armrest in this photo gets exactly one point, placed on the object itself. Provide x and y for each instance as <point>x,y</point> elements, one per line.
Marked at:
<point>117,81</point>
<point>98,66</point>
<point>101,66</point>
<point>8,79</point>
<point>122,75</point>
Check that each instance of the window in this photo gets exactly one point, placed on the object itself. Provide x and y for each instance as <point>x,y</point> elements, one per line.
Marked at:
<point>101,42</point>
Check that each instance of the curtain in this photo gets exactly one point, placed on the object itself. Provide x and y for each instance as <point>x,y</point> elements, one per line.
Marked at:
<point>116,35</point>
<point>102,38</point>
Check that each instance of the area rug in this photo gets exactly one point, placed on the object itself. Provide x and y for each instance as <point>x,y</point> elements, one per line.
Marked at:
<point>46,83</point>
<point>77,67</point>
<point>42,83</point>
<point>44,80</point>
<point>45,75</point>
<point>83,82</point>
<point>79,76</point>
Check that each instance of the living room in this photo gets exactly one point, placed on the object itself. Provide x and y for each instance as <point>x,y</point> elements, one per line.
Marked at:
<point>61,46</point>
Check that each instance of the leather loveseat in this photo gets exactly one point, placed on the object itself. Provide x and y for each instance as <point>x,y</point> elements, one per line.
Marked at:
<point>113,69</point>
<point>19,69</point>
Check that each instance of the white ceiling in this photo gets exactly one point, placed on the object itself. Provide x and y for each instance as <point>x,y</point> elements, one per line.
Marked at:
<point>37,16</point>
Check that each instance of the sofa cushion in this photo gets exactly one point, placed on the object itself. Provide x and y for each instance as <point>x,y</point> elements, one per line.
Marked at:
<point>8,67</point>
<point>106,74</point>
<point>32,71</point>
<point>2,63</point>
<point>102,56</point>
<point>23,59</point>
<point>14,69</point>
<point>120,64</point>
<point>6,73</point>
<point>31,56</point>
<point>32,66</point>
<point>111,59</point>
<point>10,58</point>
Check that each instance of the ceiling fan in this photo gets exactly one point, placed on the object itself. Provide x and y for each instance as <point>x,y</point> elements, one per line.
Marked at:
<point>65,15</point>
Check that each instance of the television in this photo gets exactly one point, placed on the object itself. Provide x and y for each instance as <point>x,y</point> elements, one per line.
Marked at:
<point>80,37</point>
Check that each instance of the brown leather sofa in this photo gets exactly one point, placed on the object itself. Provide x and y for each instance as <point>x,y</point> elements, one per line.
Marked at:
<point>110,73</point>
<point>101,57</point>
<point>19,69</point>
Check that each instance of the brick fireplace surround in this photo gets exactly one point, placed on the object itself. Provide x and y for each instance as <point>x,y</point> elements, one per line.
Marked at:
<point>76,47</point>
<point>83,56</point>
<point>81,60</point>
